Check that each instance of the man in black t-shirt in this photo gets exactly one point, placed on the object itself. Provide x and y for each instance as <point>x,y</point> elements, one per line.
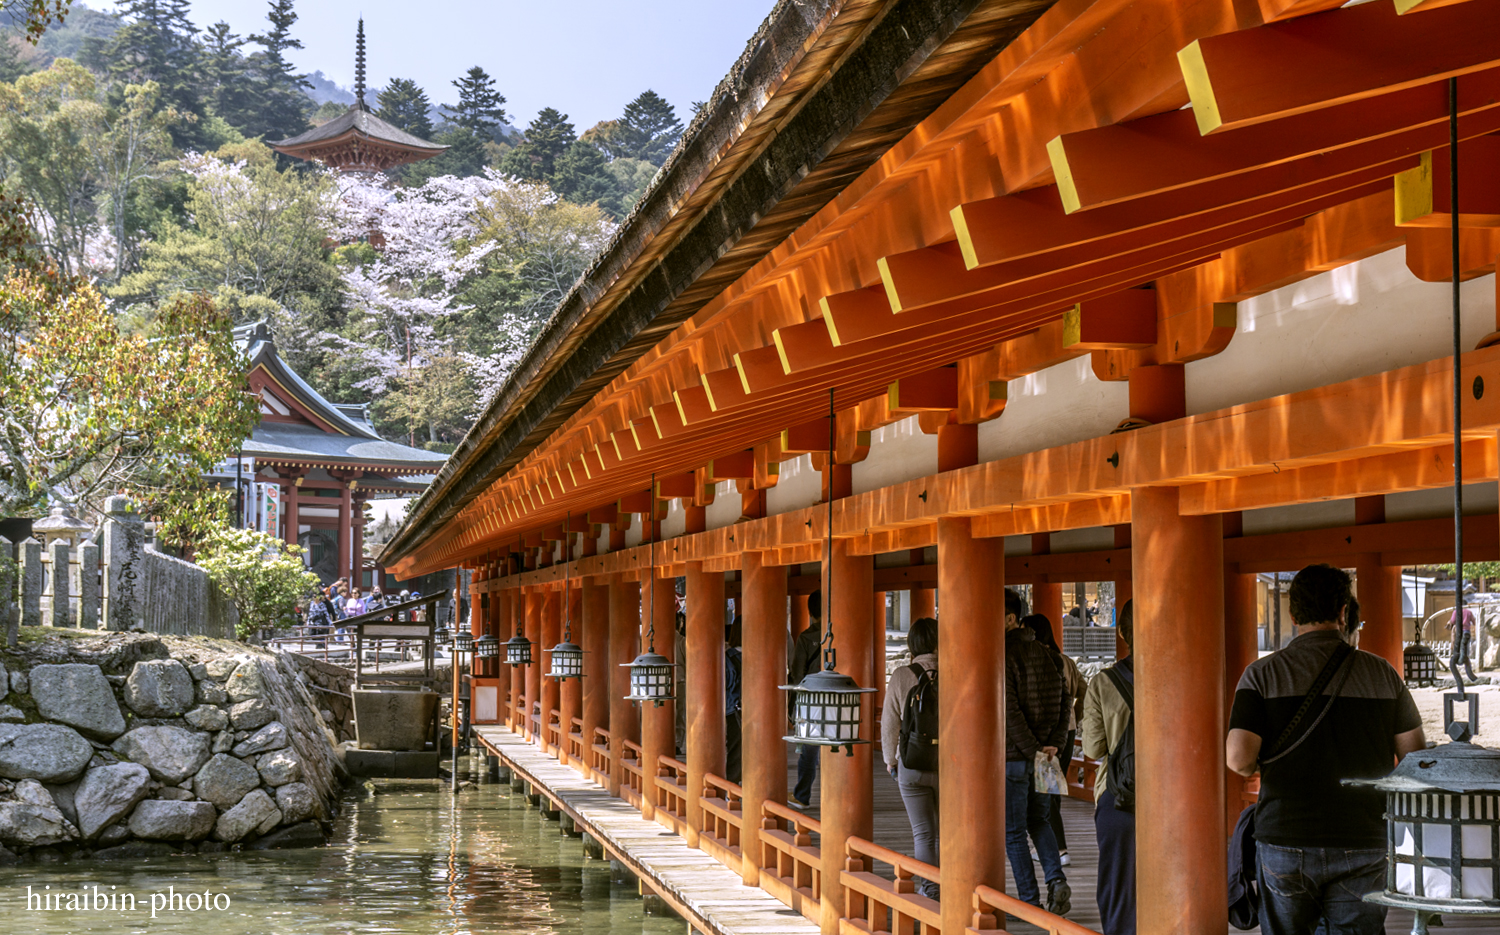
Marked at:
<point>1321,845</point>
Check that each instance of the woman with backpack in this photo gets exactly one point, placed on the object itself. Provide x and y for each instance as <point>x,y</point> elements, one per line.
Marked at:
<point>1109,736</point>
<point>908,740</point>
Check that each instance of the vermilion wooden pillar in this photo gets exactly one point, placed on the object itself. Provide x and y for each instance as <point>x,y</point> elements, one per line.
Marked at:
<point>799,614</point>
<point>658,722</point>
<point>596,659</point>
<point>971,717</point>
<point>534,604</point>
<point>877,636</point>
<point>923,600</point>
<point>705,687</point>
<point>517,604</point>
<point>570,692</point>
<point>848,789</point>
<point>624,719</point>
<point>1124,588</point>
<point>762,703</point>
<point>1241,624</point>
<point>1379,590</point>
<point>551,636</point>
<point>1046,597</point>
<point>1178,567</point>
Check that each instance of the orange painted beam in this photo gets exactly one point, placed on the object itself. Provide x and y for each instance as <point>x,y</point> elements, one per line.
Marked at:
<point>1276,10</point>
<point>671,486</point>
<point>1422,193</point>
<point>1161,153</point>
<point>925,391</point>
<point>1123,320</point>
<point>737,466</point>
<point>1242,78</point>
<point>982,395</point>
<point>1418,469</point>
<point>805,438</point>
<point>1429,252</point>
<point>692,404</point>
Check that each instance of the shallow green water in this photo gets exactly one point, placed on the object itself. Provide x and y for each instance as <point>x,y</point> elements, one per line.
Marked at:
<point>402,861</point>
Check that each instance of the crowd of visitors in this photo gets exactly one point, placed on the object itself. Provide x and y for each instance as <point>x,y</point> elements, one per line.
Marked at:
<point>340,601</point>
<point>1304,719</point>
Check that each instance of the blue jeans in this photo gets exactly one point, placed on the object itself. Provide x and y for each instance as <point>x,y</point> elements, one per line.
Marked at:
<point>807,771</point>
<point>1322,888</point>
<point>1027,811</point>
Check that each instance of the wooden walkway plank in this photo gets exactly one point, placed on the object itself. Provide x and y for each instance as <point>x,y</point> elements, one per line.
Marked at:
<point>712,898</point>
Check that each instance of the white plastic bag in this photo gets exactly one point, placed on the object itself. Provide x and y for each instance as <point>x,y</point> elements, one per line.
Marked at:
<point>1050,778</point>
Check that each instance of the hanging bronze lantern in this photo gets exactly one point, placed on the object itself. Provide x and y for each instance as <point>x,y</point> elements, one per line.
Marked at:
<point>651,675</point>
<point>826,704</point>
<point>567,657</point>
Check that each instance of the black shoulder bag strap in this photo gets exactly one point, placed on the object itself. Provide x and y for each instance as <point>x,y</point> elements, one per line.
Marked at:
<point>1335,663</point>
<point>1127,693</point>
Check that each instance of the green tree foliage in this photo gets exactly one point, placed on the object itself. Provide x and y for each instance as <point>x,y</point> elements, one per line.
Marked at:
<point>264,577</point>
<point>582,176</point>
<point>255,232</point>
<point>226,86</point>
<point>87,410</point>
<point>547,138</point>
<point>157,44</point>
<point>35,16</point>
<point>404,105</point>
<point>281,91</point>
<point>647,130</point>
<point>11,64</point>
<point>480,107</point>
<point>465,156</point>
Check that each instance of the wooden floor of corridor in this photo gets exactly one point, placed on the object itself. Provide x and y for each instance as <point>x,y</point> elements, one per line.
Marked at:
<point>701,882</point>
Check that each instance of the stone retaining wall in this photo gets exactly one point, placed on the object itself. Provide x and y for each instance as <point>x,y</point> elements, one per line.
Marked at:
<point>132,745</point>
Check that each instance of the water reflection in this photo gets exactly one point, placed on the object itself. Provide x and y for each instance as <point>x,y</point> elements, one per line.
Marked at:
<point>403,861</point>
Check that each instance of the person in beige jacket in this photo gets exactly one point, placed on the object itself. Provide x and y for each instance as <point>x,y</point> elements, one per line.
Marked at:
<point>919,788</point>
<point>1105,717</point>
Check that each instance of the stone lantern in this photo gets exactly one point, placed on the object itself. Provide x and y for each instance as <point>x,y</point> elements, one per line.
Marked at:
<point>60,525</point>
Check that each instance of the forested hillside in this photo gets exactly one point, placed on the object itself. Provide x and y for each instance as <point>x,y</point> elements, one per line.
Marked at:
<point>138,144</point>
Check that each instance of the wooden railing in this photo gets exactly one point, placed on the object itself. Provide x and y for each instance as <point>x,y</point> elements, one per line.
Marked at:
<point>599,760</point>
<point>990,904</point>
<point>790,864</point>
<point>631,791</point>
<point>877,905</point>
<point>576,746</point>
<point>722,821</point>
<point>1250,792</point>
<point>671,793</point>
<point>554,732</point>
<point>534,720</point>
<point>1081,772</point>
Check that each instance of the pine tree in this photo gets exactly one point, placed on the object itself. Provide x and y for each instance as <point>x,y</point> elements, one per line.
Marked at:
<point>464,158</point>
<point>583,177</point>
<point>547,137</point>
<point>404,105</point>
<point>283,102</point>
<point>647,130</point>
<point>157,44</point>
<point>479,104</point>
<point>224,71</point>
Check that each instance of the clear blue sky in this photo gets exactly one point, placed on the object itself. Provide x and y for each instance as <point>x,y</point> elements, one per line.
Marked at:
<point>587,58</point>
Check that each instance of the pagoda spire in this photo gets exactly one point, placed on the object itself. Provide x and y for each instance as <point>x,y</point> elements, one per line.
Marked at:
<point>359,66</point>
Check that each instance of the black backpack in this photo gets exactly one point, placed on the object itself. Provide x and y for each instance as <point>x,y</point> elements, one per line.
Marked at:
<point>1122,757</point>
<point>919,723</point>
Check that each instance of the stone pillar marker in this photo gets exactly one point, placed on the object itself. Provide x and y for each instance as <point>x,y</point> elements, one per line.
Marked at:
<point>31,583</point>
<point>88,586</point>
<point>124,542</point>
<point>7,595</point>
<point>61,612</point>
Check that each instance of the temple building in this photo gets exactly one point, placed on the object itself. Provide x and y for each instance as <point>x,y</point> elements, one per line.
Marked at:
<point>313,465</point>
<point>357,140</point>
<point>945,297</point>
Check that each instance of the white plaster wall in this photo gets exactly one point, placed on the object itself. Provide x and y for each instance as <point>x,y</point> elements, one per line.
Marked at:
<point>797,486</point>
<point>1437,503</point>
<point>1365,317</point>
<point>898,452</point>
<point>633,534</point>
<point>1056,406</point>
<point>1090,539</point>
<point>676,522</point>
<point>726,508</point>
<point>1299,516</point>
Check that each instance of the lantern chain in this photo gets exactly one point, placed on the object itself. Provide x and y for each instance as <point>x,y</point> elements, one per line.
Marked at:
<point>830,655</point>
<point>651,519</point>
